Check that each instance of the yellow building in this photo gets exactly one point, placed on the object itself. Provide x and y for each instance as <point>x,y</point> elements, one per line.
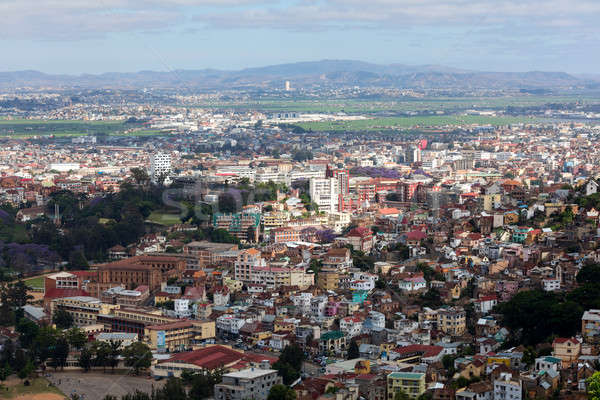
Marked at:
<point>328,279</point>
<point>178,336</point>
<point>499,360</point>
<point>452,321</point>
<point>411,383</point>
<point>567,349</point>
<point>83,309</point>
<point>275,219</point>
<point>491,201</point>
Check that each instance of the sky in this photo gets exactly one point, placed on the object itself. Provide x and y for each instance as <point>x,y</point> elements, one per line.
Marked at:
<point>79,36</point>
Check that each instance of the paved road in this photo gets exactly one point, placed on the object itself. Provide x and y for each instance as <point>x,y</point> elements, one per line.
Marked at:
<point>94,386</point>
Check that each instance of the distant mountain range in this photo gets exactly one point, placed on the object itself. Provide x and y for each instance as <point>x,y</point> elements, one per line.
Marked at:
<point>325,73</point>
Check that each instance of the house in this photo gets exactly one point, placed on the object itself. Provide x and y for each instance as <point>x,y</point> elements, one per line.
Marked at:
<point>411,383</point>
<point>361,239</point>
<point>567,349</point>
<point>591,187</point>
<point>485,304</point>
<point>412,284</point>
<point>332,342</point>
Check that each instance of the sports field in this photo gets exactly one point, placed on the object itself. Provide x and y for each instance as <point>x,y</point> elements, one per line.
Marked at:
<point>64,128</point>
<point>392,123</point>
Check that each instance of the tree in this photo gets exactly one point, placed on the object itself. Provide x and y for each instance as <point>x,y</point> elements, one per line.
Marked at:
<point>138,356</point>
<point>26,371</point>
<point>593,386</point>
<point>113,354</point>
<point>281,392</point>
<point>139,175</point>
<point>101,351</point>
<point>44,343</point>
<point>28,331</point>
<point>62,319</point>
<point>61,352</point>
<point>17,294</point>
<point>353,350</point>
<point>174,390</point>
<point>589,273</point>
<point>76,337</point>
<point>5,372</point>
<point>85,359</point>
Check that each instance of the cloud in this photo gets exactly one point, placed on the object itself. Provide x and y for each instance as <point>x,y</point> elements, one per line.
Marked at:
<point>70,19</point>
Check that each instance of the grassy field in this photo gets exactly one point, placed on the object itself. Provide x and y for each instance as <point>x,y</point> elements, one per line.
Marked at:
<point>66,128</point>
<point>410,122</point>
<point>363,106</point>
<point>35,283</point>
<point>164,218</point>
<point>38,389</point>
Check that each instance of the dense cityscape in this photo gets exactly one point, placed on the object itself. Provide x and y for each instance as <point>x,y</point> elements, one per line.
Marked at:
<point>246,253</point>
<point>299,200</point>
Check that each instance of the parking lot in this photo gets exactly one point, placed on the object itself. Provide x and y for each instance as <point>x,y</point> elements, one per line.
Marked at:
<point>94,386</point>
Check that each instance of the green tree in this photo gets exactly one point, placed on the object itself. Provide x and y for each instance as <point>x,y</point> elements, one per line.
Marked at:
<point>5,372</point>
<point>593,386</point>
<point>76,337</point>
<point>101,351</point>
<point>139,175</point>
<point>174,390</point>
<point>281,392</point>
<point>85,359</point>
<point>589,273</point>
<point>28,330</point>
<point>62,319</point>
<point>26,371</point>
<point>138,356</point>
<point>44,343</point>
<point>60,353</point>
<point>113,354</point>
<point>353,350</point>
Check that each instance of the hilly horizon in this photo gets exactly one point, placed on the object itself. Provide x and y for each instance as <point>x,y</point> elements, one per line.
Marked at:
<point>307,74</point>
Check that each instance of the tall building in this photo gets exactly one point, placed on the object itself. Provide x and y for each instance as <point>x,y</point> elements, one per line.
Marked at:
<point>324,192</point>
<point>251,383</point>
<point>507,387</point>
<point>160,166</point>
<point>288,86</point>
<point>413,155</point>
<point>410,383</point>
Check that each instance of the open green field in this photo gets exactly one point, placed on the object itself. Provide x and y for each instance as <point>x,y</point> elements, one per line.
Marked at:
<point>65,128</point>
<point>411,122</point>
<point>358,106</point>
<point>35,283</point>
<point>164,218</point>
<point>38,389</point>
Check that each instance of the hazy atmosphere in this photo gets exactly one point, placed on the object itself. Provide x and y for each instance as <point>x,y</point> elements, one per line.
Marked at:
<point>130,35</point>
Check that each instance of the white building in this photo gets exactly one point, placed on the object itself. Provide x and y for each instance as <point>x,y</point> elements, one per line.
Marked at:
<point>550,285</point>
<point>375,321</point>
<point>507,388</point>
<point>228,323</point>
<point>324,192</point>
<point>182,308</point>
<point>317,306</point>
<point>302,302</point>
<point>351,326</point>
<point>251,383</point>
<point>160,166</point>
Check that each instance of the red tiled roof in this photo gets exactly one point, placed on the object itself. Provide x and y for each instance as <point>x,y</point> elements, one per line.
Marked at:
<point>428,351</point>
<point>217,356</point>
<point>59,293</point>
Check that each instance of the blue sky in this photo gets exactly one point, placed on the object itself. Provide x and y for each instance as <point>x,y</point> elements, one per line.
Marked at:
<point>75,36</point>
